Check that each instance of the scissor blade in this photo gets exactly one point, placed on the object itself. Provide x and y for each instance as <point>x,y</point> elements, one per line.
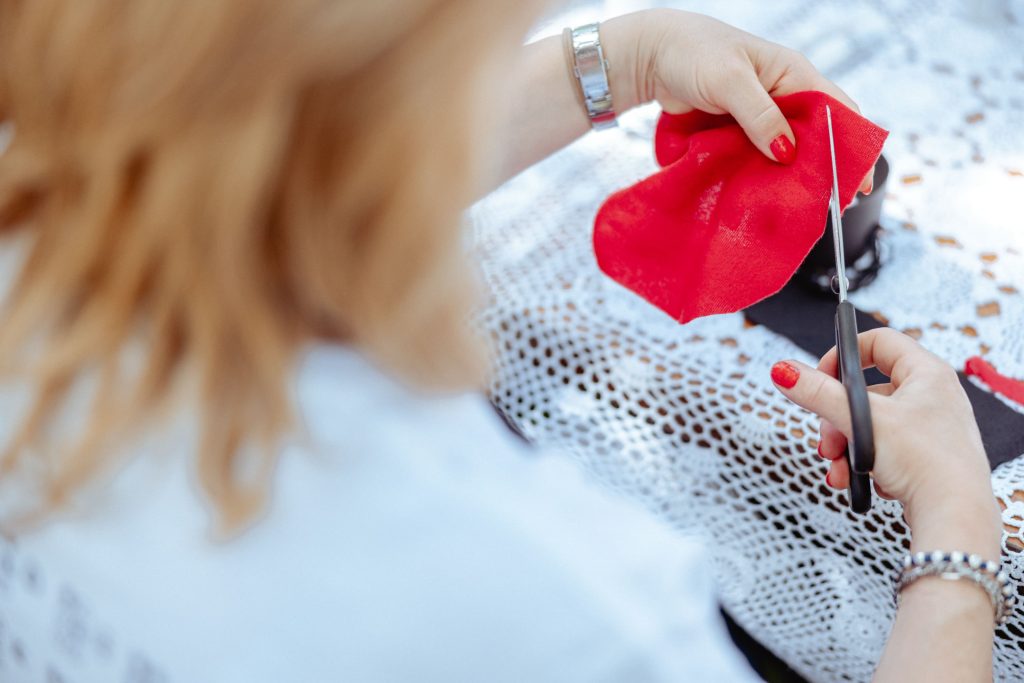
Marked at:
<point>837,220</point>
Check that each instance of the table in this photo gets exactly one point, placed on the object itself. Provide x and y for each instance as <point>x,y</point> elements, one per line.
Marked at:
<point>684,418</point>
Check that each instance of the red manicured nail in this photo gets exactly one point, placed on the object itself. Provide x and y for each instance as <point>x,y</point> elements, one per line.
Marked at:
<point>828,478</point>
<point>785,375</point>
<point>820,454</point>
<point>783,149</point>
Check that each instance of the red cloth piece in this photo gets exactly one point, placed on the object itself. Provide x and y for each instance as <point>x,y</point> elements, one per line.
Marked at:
<point>1012,389</point>
<point>721,226</point>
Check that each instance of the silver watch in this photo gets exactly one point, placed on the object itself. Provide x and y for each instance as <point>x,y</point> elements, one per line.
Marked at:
<point>591,70</point>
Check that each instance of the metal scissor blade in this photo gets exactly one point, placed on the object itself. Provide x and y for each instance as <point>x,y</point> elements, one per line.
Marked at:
<point>860,447</point>
<point>837,220</point>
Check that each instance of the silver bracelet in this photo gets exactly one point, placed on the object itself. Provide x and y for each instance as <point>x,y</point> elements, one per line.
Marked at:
<point>954,566</point>
<point>590,68</point>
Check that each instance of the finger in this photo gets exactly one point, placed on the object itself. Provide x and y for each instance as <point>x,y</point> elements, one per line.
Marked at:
<point>868,183</point>
<point>881,492</point>
<point>894,354</point>
<point>790,71</point>
<point>828,364</point>
<point>761,119</point>
<point>831,441</point>
<point>819,82</point>
<point>838,476</point>
<point>813,390</point>
<point>882,389</point>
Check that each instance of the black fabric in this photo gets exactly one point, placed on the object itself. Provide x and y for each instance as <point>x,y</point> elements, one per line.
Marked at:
<point>808,320</point>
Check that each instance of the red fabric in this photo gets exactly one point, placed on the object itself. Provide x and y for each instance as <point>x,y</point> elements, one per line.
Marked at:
<point>1012,389</point>
<point>721,226</point>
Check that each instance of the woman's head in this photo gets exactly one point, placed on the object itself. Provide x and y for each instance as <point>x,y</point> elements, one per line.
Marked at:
<point>208,184</point>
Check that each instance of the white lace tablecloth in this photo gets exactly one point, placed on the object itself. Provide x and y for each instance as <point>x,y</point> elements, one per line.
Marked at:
<point>684,418</point>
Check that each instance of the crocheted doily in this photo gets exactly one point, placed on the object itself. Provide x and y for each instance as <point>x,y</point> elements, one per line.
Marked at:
<point>684,418</point>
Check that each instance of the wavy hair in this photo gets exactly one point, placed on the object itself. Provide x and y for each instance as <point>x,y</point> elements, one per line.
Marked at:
<point>202,186</point>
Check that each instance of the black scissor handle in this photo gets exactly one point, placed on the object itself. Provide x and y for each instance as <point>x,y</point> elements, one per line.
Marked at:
<point>860,450</point>
<point>860,492</point>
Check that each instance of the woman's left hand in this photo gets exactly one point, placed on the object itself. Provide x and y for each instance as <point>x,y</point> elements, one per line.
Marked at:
<point>689,61</point>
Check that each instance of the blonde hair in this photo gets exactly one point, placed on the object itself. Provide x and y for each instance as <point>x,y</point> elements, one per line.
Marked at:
<point>211,184</point>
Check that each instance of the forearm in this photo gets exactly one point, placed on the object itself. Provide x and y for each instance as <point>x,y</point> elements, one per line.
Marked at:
<point>546,111</point>
<point>944,629</point>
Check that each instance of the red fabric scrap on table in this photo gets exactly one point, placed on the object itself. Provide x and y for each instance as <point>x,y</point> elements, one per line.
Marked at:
<point>721,226</point>
<point>1012,389</point>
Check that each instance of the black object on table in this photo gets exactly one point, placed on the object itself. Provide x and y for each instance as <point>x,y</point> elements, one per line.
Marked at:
<point>805,318</point>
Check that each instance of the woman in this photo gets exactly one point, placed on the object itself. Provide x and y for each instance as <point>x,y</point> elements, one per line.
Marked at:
<point>237,280</point>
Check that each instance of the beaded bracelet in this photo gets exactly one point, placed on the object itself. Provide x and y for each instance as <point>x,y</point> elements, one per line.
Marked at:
<point>956,565</point>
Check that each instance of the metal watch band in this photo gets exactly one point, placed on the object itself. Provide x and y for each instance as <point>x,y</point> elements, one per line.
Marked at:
<point>591,70</point>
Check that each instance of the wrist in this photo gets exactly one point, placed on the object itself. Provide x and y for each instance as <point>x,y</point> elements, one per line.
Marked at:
<point>629,60</point>
<point>948,492</point>
<point>971,524</point>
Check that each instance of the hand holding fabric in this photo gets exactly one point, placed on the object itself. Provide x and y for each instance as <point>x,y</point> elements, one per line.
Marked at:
<point>690,62</point>
<point>721,227</point>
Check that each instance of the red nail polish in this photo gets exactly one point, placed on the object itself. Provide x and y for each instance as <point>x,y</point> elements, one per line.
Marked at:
<point>820,454</point>
<point>785,375</point>
<point>783,149</point>
<point>828,478</point>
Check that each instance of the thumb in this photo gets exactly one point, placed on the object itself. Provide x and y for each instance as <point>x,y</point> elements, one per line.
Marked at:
<point>812,389</point>
<point>762,120</point>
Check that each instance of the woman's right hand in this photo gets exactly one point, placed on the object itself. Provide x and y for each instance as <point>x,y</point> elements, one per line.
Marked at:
<point>929,453</point>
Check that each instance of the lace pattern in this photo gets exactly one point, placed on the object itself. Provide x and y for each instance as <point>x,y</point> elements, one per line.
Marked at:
<point>684,418</point>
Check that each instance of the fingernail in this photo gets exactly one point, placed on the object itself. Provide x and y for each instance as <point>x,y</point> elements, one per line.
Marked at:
<point>828,478</point>
<point>783,149</point>
<point>820,454</point>
<point>785,375</point>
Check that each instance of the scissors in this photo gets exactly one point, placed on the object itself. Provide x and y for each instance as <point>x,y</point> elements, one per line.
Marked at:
<point>860,449</point>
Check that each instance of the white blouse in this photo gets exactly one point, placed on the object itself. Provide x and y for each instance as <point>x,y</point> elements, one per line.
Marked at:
<point>408,539</point>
